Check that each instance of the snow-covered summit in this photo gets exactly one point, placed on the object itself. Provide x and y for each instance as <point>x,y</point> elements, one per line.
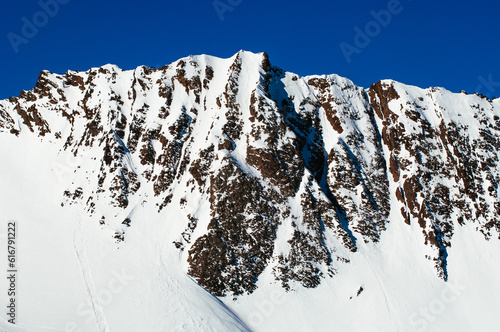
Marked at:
<point>251,181</point>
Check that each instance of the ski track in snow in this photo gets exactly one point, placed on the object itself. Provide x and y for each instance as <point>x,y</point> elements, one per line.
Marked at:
<point>393,313</point>
<point>166,283</point>
<point>80,251</point>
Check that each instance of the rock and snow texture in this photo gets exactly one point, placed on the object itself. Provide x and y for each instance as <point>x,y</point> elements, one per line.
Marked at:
<point>267,189</point>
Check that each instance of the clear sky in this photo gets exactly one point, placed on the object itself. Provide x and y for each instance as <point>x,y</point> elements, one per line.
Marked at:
<point>453,44</point>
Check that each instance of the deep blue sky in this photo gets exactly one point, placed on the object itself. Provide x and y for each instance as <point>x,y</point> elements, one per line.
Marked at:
<point>454,44</point>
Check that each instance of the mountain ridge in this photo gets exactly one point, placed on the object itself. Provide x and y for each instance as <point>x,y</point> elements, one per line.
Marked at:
<point>270,170</point>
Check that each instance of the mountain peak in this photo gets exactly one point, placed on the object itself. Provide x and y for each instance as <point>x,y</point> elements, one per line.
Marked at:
<point>292,174</point>
<point>265,188</point>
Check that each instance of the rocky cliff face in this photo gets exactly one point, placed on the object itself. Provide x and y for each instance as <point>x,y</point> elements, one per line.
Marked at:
<point>269,170</point>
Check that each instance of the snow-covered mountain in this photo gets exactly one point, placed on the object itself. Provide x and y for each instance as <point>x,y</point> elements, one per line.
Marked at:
<point>228,194</point>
